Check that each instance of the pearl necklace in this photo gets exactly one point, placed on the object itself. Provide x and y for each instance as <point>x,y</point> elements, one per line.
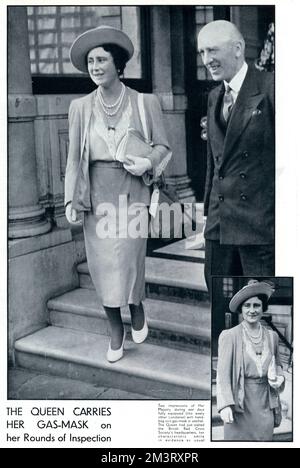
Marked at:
<point>255,339</point>
<point>117,104</point>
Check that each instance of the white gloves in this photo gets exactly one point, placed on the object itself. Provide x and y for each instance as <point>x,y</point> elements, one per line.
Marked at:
<point>71,215</point>
<point>275,380</point>
<point>227,415</point>
<point>136,166</point>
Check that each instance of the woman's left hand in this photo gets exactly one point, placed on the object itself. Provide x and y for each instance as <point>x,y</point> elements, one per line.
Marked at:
<point>227,415</point>
<point>136,166</point>
<point>276,384</point>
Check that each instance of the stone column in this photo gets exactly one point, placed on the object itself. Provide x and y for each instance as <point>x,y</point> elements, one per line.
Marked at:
<point>168,84</point>
<point>26,216</point>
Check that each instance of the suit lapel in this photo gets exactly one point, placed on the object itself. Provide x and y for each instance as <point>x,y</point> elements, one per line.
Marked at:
<point>216,131</point>
<point>87,108</point>
<point>239,351</point>
<point>246,104</point>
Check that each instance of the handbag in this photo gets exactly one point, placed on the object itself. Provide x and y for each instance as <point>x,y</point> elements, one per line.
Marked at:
<point>133,143</point>
<point>139,145</point>
<point>272,375</point>
<point>277,412</point>
<point>157,180</point>
<point>161,193</point>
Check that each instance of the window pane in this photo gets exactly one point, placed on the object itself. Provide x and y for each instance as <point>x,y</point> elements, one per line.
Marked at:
<point>53,29</point>
<point>70,9</point>
<point>227,287</point>
<point>46,23</point>
<point>203,15</point>
<point>70,22</point>
<point>44,10</point>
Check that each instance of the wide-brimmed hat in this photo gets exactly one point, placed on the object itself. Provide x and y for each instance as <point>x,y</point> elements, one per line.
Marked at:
<point>252,289</point>
<point>95,38</point>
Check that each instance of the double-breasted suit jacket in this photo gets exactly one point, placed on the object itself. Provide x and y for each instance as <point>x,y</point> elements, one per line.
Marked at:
<point>240,182</point>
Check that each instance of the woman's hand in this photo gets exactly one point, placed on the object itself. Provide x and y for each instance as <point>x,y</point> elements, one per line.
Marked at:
<point>137,166</point>
<point>71,215</point>
<point>202,238</point>
<point>227,415</point>
<point>276,384</point>
<point>275,378</point>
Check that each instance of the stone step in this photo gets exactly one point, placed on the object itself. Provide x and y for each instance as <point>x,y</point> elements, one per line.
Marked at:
<point>284,433</point>
<point>180,250</point>
<point>148,369</point>
<point>172,324</point>
<point>167,279</point>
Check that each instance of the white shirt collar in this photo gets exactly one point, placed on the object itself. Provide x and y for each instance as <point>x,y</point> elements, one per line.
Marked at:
<point>237,81</point>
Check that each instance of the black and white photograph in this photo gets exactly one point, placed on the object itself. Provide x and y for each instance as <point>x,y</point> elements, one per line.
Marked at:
<point>151,200</point>
<point>101,133</point>
<point>252,359</point>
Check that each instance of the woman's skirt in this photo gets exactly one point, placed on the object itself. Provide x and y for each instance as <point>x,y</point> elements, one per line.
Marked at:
<point>115,232</point>
<point>257,421</point>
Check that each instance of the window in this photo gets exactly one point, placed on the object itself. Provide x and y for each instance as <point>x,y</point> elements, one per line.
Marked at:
<point>203,15</point>
<point>227,287</point>
<point>52,29</point>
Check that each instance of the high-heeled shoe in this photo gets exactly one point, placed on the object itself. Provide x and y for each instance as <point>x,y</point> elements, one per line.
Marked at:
<point>114,355</point>
<point>139,336</point>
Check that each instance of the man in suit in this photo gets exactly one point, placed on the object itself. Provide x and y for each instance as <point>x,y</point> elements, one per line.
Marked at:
<point>239,201</point>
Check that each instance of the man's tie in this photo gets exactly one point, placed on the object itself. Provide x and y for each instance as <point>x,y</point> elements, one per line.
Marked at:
<point>228,103</point>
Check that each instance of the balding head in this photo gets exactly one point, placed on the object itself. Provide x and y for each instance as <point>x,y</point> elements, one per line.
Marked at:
<point>222,48</point>
<point>221,29</point>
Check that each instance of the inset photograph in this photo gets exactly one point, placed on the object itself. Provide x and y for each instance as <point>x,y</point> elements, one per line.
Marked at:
<point>252,359</point>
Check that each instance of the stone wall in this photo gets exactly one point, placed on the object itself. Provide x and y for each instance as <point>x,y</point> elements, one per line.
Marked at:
<point>39,268</point>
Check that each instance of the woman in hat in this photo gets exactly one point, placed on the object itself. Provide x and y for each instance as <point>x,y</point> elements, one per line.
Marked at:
<point>107,184</point>
<point>249,374</point>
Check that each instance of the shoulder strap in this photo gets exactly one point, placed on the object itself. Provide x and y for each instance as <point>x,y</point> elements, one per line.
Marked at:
<point>271,341</point>
<point>141,108</point>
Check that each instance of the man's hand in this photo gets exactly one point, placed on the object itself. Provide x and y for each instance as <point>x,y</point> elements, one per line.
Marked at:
<point>71,215</point>
<point>227,415</point>
<point>137,166</point>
